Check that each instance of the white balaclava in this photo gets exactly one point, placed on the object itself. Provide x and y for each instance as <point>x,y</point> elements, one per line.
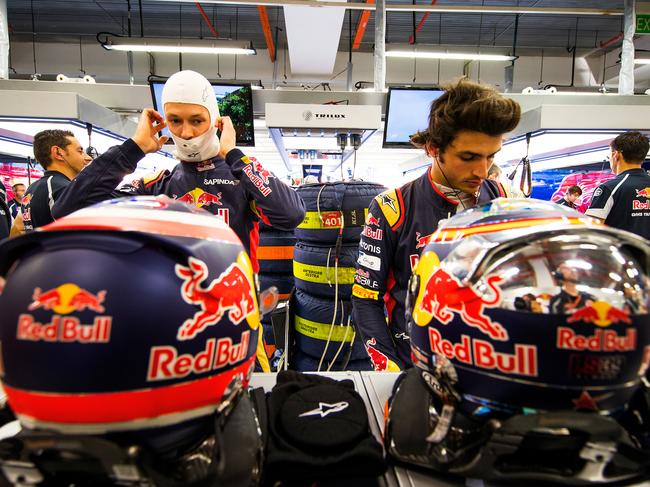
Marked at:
<point>192,87</point>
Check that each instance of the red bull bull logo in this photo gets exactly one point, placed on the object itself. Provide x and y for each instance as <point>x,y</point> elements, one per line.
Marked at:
<point>264,174</point>
<point>421,242</point>
<point>371,220</point>
<point>444,295</point>
<point>482,354</point>
<point>600,314</point>
<point>200,198</point>
<point>643,193</point>
<point>231,292</point>
<point>67,298</point>
<point>166,363</point>
<point>380,362</point>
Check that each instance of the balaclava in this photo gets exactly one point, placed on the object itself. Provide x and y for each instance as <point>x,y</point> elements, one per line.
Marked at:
<point>192,87</point>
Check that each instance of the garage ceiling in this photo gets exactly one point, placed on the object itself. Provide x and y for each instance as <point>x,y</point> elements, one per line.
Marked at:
<point>64,20</point>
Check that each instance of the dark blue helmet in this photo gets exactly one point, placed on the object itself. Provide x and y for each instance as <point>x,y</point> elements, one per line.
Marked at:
<point>134,318</point>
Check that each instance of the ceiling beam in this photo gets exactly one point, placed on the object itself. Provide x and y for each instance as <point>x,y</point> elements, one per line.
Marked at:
<point>361,27</point>
<point>479,9</point>
<point>266,28</point>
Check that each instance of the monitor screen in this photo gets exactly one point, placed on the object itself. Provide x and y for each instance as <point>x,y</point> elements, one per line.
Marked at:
<point>407,112</point>
<point>235,101</point>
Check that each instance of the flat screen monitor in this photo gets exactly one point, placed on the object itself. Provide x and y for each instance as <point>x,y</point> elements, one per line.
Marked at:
<point>407,112</point>
<point>235,101</point>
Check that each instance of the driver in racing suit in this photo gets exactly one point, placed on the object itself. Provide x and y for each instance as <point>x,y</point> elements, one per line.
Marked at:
<point>465,132</point>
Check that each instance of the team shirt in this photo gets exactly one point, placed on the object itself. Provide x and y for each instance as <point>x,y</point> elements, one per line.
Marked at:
<point>398,227</point>
<point>624,202</point>
<point>54,195</point>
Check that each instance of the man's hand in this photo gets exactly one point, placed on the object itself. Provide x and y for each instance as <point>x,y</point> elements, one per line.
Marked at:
<point>228,137</point>
<point>146,135</point>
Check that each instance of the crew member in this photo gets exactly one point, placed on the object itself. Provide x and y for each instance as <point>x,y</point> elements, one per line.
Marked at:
<point>570,197</point>
<point>624,202</point>
<point>466,127</point>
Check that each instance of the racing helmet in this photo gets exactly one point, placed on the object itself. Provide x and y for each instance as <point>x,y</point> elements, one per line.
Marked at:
<point>134,320</point>
<point>524,307</point>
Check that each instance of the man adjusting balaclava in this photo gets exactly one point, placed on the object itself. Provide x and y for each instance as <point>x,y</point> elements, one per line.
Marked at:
<point>193,88</point>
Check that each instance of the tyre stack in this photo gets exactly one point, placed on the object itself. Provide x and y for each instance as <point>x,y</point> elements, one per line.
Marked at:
<point>275,257</point>
<point>323,267</point>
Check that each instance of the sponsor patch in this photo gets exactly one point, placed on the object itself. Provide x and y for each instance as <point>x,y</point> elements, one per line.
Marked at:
<point>375,234</point>
<point>363,293</point>
<point>369,261</point>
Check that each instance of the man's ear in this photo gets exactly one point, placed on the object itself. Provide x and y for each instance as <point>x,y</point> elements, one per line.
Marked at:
<point>431,150</point>
<point>55,153</point>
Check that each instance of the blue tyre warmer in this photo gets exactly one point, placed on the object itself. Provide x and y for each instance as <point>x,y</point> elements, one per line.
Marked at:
<point>275,251</point>
<point>314,269</point>
<point>312,320</point>
<point>331,205</point>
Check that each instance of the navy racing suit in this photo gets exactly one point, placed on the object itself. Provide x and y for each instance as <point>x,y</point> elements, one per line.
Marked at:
<point>398,226</point>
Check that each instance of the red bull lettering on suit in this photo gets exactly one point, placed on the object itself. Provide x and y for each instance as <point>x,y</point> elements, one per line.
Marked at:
<point>257,180</point>
<point>482,354</point>
<point>165,362</point>
<point>231,292</point>
<point>64,330</point>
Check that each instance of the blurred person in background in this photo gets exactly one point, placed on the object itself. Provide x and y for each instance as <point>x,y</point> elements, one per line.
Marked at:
<point>570,197</point>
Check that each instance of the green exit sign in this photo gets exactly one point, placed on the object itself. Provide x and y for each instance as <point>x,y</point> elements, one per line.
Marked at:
<point>642,24</point>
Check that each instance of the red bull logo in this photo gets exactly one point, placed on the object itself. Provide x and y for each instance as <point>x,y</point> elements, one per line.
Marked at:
<point>375,234</point>
<point>371,220</point>
<point>444,295</point>
<point>600,314</point>
<point>421,242</point>
<point>482,354</point>
<point>200,198</point>
<point>643,193</point>
<point>231,292</point>
<point>259,179</point>
<point>64,330</point>
<point>67,298</point>
<point>264,174</point>
<point>380,362</point>
<point>600,341</point>
<point>166,363</point>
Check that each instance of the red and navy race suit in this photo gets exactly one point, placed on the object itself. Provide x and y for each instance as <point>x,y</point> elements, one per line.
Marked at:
<point>397,229</point>
<point>238,190</point>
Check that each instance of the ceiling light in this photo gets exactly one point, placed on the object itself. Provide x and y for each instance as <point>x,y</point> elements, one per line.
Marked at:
<point>185,46</point>
<point>419,52</point>
<point>642,61</point>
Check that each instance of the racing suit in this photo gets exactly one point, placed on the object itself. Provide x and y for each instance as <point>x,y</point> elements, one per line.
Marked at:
<point>398,226</point>
<point>238,190</point>
<point>624,202</point>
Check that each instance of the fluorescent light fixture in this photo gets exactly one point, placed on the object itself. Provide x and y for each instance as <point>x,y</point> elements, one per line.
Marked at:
<point>642,61</point>
<point>185,46</point>
<point>408,51</point>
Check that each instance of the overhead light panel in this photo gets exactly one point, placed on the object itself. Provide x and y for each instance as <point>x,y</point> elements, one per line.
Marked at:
<point>409,51</point>
<point>642,61</point>
<point>184,46</point>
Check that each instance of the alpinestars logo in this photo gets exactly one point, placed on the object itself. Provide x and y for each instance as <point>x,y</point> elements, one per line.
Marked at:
<point>325,408</point>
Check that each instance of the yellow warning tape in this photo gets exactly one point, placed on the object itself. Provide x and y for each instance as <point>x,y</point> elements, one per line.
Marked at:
<point>320,331</point>
<point>323,275</point>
